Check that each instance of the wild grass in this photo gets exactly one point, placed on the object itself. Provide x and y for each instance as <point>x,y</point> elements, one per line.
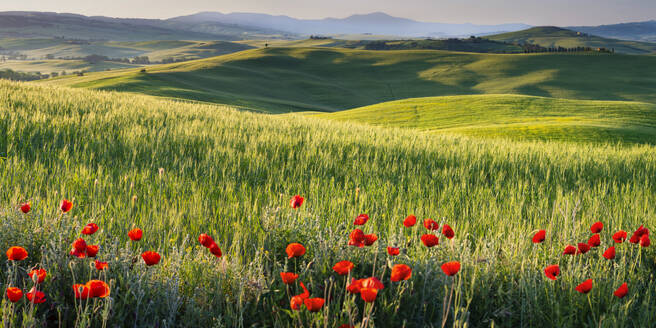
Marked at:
<point>231,174</point>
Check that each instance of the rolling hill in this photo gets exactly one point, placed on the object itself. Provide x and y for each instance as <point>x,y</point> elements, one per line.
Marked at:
<point>551,36</point>
<point>637,31</point>
<point>331,79</point>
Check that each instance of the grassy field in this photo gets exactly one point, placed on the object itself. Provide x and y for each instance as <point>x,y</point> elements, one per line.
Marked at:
<point>515,117</point>
<point>177,169</point>
<point>330,79</point>
<point>56,65</point>
<point>549,36</point>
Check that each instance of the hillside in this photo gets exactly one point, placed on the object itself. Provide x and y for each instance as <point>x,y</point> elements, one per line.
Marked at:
<point>329,79</point>
<point>637,31</point>
<point>550,36</point>
<point>58,66</point>
<point>516,117</point>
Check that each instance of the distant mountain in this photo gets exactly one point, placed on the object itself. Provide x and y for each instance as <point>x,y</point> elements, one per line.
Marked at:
<point>375,23</point>
<point>638,31</point>
<point>551,36</point>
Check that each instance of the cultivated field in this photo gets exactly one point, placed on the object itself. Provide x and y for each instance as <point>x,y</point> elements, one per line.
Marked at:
<point>177,169</point>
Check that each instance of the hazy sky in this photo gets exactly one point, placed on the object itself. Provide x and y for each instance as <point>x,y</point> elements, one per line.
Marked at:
<point>534,12</point>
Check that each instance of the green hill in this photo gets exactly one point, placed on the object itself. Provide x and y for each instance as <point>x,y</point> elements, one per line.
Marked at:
<point>330,79</point>
<point>550,36</point>
<point>516,117</point>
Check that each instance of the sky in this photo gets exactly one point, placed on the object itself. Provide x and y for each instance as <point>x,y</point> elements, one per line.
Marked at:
<point>533,12</point>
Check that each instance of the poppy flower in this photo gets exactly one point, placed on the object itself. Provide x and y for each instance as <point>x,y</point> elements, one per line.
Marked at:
<point>355,286</point>
<point>36,296</point>
<point>356,238</point>
<point>16,253</point>
<point>539,237</point>
<point>609,253</point>
<point>552,271</point>
<point>430,240</point>
<point>372,282</point>
<point>65,205</point>
<point>361,219</point>
<point>295,250</point>
<point>97,288</point>
<point>400,272</point>
<point>638,234</point>
<point>343,267</point>
<point>314,304</point>
<point>447,231</point>
<point>370,239</point>
<point>80,245</point>
<point>346,325</point>
<point>92,250</point>
<point>38,276</point>
<point>81,291</point>
<point>583,248</point>
<point>76,253</point>
<point>135,234</point>
<point>430,224</point>
<point>584,287</point>
<point>569,250</point>
<point>621,291</point>
<point>205,240</point>
<point>368,294</point>
<point>297,301</point>
<point>644,241</point>
<point>620,236</point>
<point>596,227</point>
<point>25,208</point>
<point>215,250</point>
<point>451,268</point>
<point>393,251</point>
<point>296,201</point>
<point>594,240</point>
<point>14,294</point>
<point>288,278</point>
<point>410,221</point>
<point>101,265</point>
<point>90,229</point>
<point>150,257</point>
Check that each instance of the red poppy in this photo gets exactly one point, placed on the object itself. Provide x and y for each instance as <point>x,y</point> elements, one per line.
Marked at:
<point>430,224</point>
<point>370,239</point>
<point>400,272</point>
<point>583,248</point>
<point>451,268</point>
<point>539,236</point>
<point>14,294</point>
<point>98,288</point>
<point>80,245</point>
<point>101,265</point>
<point>620,236</point>
<point>552,271</point>
<point>410,221</point>
<point>288,278</point>
<point>81,291</point>
<point>621,291</point>
<point>346,325</point>
<point>296,201</point>
<point>135,234</point>
<point>65,205</point>
<point>36,296</point>
<point>215,250</point>
<point>368,294</point>
<point>16,253</point>
<point>594,240</point>
<point>361,219</point>
<point>314,304</point>
<point>609,253</point>
<point>150,257</point>
<point>596,227</point>
<point>372,282</point>
<point>430,240</point>
<point>297,300</point>
<point>38,276</point>
<point>25,208</point>
<point>638,234</point>
<point>644,241</point>
<point>343,267</point>
<point>355,286</point>
<point>78,254</point>
<point>447,231</point>
<point>356,238</point>
<point>90,229</point>
<point>584,287</point>
<point>205,240</point>
<point>569,250</point>
<point>295,250</point>
<point>393,251</point>
<point>92,250</point>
